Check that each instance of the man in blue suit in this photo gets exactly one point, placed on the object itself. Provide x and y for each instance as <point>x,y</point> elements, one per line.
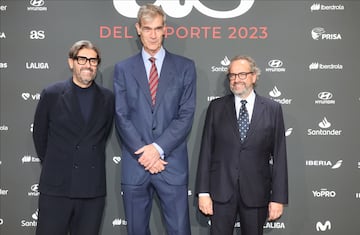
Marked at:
<point>242,166</point>
<point>155,104</point>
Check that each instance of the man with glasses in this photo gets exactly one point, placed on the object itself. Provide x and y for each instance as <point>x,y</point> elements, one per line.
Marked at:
<point>72,122</point>
<point>242,169</point>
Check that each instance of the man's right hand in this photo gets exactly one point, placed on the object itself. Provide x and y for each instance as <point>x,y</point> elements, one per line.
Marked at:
<point>206,205</point>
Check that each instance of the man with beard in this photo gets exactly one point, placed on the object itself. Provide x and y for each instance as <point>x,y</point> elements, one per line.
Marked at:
<point>242,169</point>
<point>72,122</point>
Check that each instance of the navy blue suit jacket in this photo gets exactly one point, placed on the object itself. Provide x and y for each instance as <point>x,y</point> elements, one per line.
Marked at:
<point>224,160</point>
<point>72,151</point>
<point>168,123</point>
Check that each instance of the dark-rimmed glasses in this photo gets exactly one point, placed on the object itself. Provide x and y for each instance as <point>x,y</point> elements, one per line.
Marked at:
<point>81,60</point>
<point>241,75</point>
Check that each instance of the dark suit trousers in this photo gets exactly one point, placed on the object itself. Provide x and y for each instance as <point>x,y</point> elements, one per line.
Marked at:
<point>60,215</point>
<point>173,201</point>
<point>252,219</point>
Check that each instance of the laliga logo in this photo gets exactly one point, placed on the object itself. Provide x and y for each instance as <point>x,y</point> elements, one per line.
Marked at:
<point>174,9</point>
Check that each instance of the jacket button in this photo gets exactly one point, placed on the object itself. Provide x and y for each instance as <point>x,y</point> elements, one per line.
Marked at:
<point>76,166</point>
<point>77,146</point>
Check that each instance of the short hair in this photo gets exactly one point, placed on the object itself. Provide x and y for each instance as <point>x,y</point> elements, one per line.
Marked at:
<point>74,50</point>
<point>253,66</point>
<point>150,11</point>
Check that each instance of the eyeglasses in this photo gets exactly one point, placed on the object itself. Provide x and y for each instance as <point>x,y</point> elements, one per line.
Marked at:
<point>242,75</point>
<point>81,60</point>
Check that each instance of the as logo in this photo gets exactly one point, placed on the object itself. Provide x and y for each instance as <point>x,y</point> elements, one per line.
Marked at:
<point>37,34</point>
<point>177,10</point>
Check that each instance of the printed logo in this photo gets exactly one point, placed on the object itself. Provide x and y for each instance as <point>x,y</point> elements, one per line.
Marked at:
<point>1,221</point>
<point>3,65</point>
<point>275,66</point>
<point>33,223</point>
<point>2,35</point>
<point>324,124</point>
<point>321,7</point>
<point>29,159</point>
<point>325,97</point>
<point>324,193</point>
<point>357,195</point>
<point>31,127</point>
<point>275,93</point>
<point>275,225</point>
<point>27,96</point>
<point>210,98</point>
<point>37,5</point>
<point>178,9</point>
<point>37,65</point>
<point>119,222</point>
<point>288,132</point>
<point>3,7</point>
<point>319,33</point>
<point>223,68</point>
<point>116,159</point>
<point>320,227</point>
<point>3,192</point>
<point>37,34</point>
<point>34,191</point>
<point>318,66</point>
<point>4,128</point>
<point>320,163</point>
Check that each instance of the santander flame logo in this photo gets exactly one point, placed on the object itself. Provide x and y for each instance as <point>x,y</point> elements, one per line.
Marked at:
<point>174,9</point>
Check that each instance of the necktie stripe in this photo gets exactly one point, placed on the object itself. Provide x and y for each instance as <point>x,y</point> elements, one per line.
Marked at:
<point>153,80</point>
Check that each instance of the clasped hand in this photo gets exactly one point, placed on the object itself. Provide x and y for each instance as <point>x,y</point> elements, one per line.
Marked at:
<point>150,159</point>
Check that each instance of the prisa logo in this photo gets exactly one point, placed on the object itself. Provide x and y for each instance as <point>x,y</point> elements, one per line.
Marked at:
<point>174,9</point>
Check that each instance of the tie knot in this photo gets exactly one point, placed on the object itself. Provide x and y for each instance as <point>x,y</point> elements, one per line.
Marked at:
<point>243,102</point>
<point>152,59</point>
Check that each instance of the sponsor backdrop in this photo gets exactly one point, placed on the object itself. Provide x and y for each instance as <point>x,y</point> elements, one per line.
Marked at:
<point>307,50</point>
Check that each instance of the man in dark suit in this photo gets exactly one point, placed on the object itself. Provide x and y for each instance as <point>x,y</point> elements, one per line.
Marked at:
<point>242,168</point>
<point>72,122</point>
<point>155,104</point>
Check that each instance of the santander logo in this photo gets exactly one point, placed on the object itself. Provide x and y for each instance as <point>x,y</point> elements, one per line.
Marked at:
<point>174,9</point>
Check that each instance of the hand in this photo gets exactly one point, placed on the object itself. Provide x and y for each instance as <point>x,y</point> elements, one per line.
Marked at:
<point>158,167</point>
<point>149,156</point>
<point>206,205</point>
<point>275,210</point>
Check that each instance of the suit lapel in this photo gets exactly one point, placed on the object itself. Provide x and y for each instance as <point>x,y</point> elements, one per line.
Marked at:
<point>139,74</point>
<point>256,116</point>
<point>231,115</point>
<point>167,76</point>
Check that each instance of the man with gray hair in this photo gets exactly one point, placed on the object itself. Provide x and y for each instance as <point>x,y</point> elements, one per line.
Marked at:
<point>242,169</point>
<point>155,105</point>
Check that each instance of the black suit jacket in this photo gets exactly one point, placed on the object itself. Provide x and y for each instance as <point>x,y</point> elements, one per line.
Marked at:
<point>224,160</point>
<point>72,151</point>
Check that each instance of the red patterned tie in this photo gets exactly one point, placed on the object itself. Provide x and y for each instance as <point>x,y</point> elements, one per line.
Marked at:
<point>153,80</point>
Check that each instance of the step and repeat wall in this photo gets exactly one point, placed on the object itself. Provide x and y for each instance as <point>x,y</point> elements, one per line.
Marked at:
<point>308,52</point>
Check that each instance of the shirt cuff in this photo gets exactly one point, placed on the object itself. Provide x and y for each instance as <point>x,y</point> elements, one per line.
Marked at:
<point>160,150</point>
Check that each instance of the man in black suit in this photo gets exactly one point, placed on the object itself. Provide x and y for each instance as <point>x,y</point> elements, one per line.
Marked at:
<point>242,168</point>
<point>72,122</point>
